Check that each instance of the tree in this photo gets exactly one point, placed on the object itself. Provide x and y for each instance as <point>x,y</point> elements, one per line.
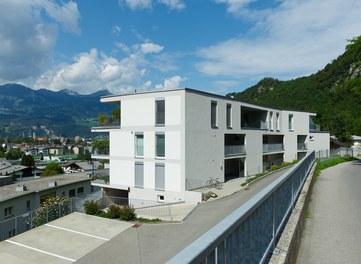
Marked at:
<point>84,156</point>
<point>102,119</point>
<point>116,115</point>
<point>27,160</point>
<point>52,168</point>
<point>14,154</point>
<point>101,145</point>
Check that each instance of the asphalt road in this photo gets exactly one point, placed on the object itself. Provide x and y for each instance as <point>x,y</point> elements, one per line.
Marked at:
<point>333,232</point>
<point>157,243</point>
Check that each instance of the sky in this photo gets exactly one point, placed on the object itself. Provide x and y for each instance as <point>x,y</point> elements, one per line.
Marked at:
<point>219,46</point>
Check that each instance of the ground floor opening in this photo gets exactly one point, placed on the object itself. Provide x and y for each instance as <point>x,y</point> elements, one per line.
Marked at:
<point>233,168</point>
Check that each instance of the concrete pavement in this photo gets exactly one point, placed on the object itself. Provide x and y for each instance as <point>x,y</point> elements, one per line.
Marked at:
<point>333,231</point>
<point>157,243</point>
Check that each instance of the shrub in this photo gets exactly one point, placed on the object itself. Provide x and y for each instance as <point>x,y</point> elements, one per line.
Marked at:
<point>114,211</point>
<point>91,207</point>
<point>127,213</point>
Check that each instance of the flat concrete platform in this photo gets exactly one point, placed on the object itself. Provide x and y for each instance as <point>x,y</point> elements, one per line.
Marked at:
<point>61,241</point>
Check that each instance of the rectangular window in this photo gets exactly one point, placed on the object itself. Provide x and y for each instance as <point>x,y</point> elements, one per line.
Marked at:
<point>159,177</point>
<point>214,118</point>
<point>290,122</point>
<point>72,193</point>
<point>80,190</point>
<point>9,211</point>
<point>278,121</point>
<point>270,120</point>
<point>229,116</point>
<point>160,112</point>
<point>139,145</point>
<point>28,205</point>
<point>139,175</point>
<point>160,145</point>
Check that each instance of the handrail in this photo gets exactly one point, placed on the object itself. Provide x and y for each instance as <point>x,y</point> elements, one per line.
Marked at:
<point>248,234</point>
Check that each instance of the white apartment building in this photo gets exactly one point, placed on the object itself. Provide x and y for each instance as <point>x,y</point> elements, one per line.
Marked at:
<point>171,142</point>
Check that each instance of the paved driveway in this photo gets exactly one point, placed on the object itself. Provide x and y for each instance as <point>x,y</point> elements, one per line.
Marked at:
<point>157,243</point>
<point>333,232</point>
<point>61,241</point>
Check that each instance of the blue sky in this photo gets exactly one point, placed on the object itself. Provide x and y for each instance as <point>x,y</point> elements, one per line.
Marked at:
<point>218,46</point>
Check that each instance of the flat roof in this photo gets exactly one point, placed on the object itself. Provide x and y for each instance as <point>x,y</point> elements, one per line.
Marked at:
<point>204,93</point>
<point>8,192</point>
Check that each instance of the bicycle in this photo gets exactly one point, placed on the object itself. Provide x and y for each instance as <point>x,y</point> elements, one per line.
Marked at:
<point>214,183</point>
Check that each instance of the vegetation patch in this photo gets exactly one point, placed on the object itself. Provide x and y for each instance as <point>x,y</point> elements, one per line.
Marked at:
<point>121,212</point>
<point>273,168</point>
<point>147,220</point>
<point>324,164</point>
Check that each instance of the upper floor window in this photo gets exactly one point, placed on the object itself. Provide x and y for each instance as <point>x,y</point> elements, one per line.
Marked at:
<point>229,116</point>
<point>290,122</point>
<point>270,120</point>
<point>214,117</point>
<point>9,211</point>
<point>139,145</point>
<point>277,121</point>
<point>160,145</point>
<point>160,112</point>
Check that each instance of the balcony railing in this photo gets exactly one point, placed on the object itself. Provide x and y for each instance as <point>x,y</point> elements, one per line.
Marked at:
<point>273,147</point>
<point>234,150</point>
<point>107,125</point>
<point>301,146</point>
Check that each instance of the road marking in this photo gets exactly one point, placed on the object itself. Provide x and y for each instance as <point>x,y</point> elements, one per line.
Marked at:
<point>77,232</point>
<point>41,251</point>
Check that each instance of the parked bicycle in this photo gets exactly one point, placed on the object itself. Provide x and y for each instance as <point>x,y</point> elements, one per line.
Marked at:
<point>214,183</point>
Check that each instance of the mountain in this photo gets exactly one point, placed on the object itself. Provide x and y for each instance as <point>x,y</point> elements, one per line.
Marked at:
<point>334,93</point>
<point>67,113</point>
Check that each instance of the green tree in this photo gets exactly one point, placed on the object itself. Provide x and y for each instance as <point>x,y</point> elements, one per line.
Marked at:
<point>14,154</point>
<point>84,156</point>
<point>116,115</point>
<point>52,168</point>
<point>102,119</point>
<point>101,145</point>
<point>27,160</point>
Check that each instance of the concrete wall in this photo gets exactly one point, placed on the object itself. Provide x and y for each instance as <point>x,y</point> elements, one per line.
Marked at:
<point>138,116</point>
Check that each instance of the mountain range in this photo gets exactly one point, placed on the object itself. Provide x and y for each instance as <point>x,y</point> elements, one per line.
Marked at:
<point>24,111</point>
<point>334,93</point>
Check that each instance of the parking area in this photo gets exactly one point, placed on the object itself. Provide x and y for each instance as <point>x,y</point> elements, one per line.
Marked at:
<point>62,241</point>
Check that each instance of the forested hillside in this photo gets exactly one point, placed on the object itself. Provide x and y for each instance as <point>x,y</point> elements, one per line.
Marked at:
<point>334,93</point>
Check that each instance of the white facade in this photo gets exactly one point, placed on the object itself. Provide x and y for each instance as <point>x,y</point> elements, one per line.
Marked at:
<point>162,154</point>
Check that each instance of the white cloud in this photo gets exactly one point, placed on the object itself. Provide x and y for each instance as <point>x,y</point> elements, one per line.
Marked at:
<point>170,83</point>
<point>151,48</point>
<point>137,4</point>
<point>295,38</point>
<point>27,39</point>
<point>173,4</point>
<point>92,71</point>
<point>122,46</point>
<point>116,30</point>
<point>148,4</point>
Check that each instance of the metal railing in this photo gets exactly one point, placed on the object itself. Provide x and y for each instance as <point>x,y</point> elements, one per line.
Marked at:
<point>233,150</point>
<point>273,147</point>
<point>22,223</point>
<point>148,208</point>
<point>249,234</point>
